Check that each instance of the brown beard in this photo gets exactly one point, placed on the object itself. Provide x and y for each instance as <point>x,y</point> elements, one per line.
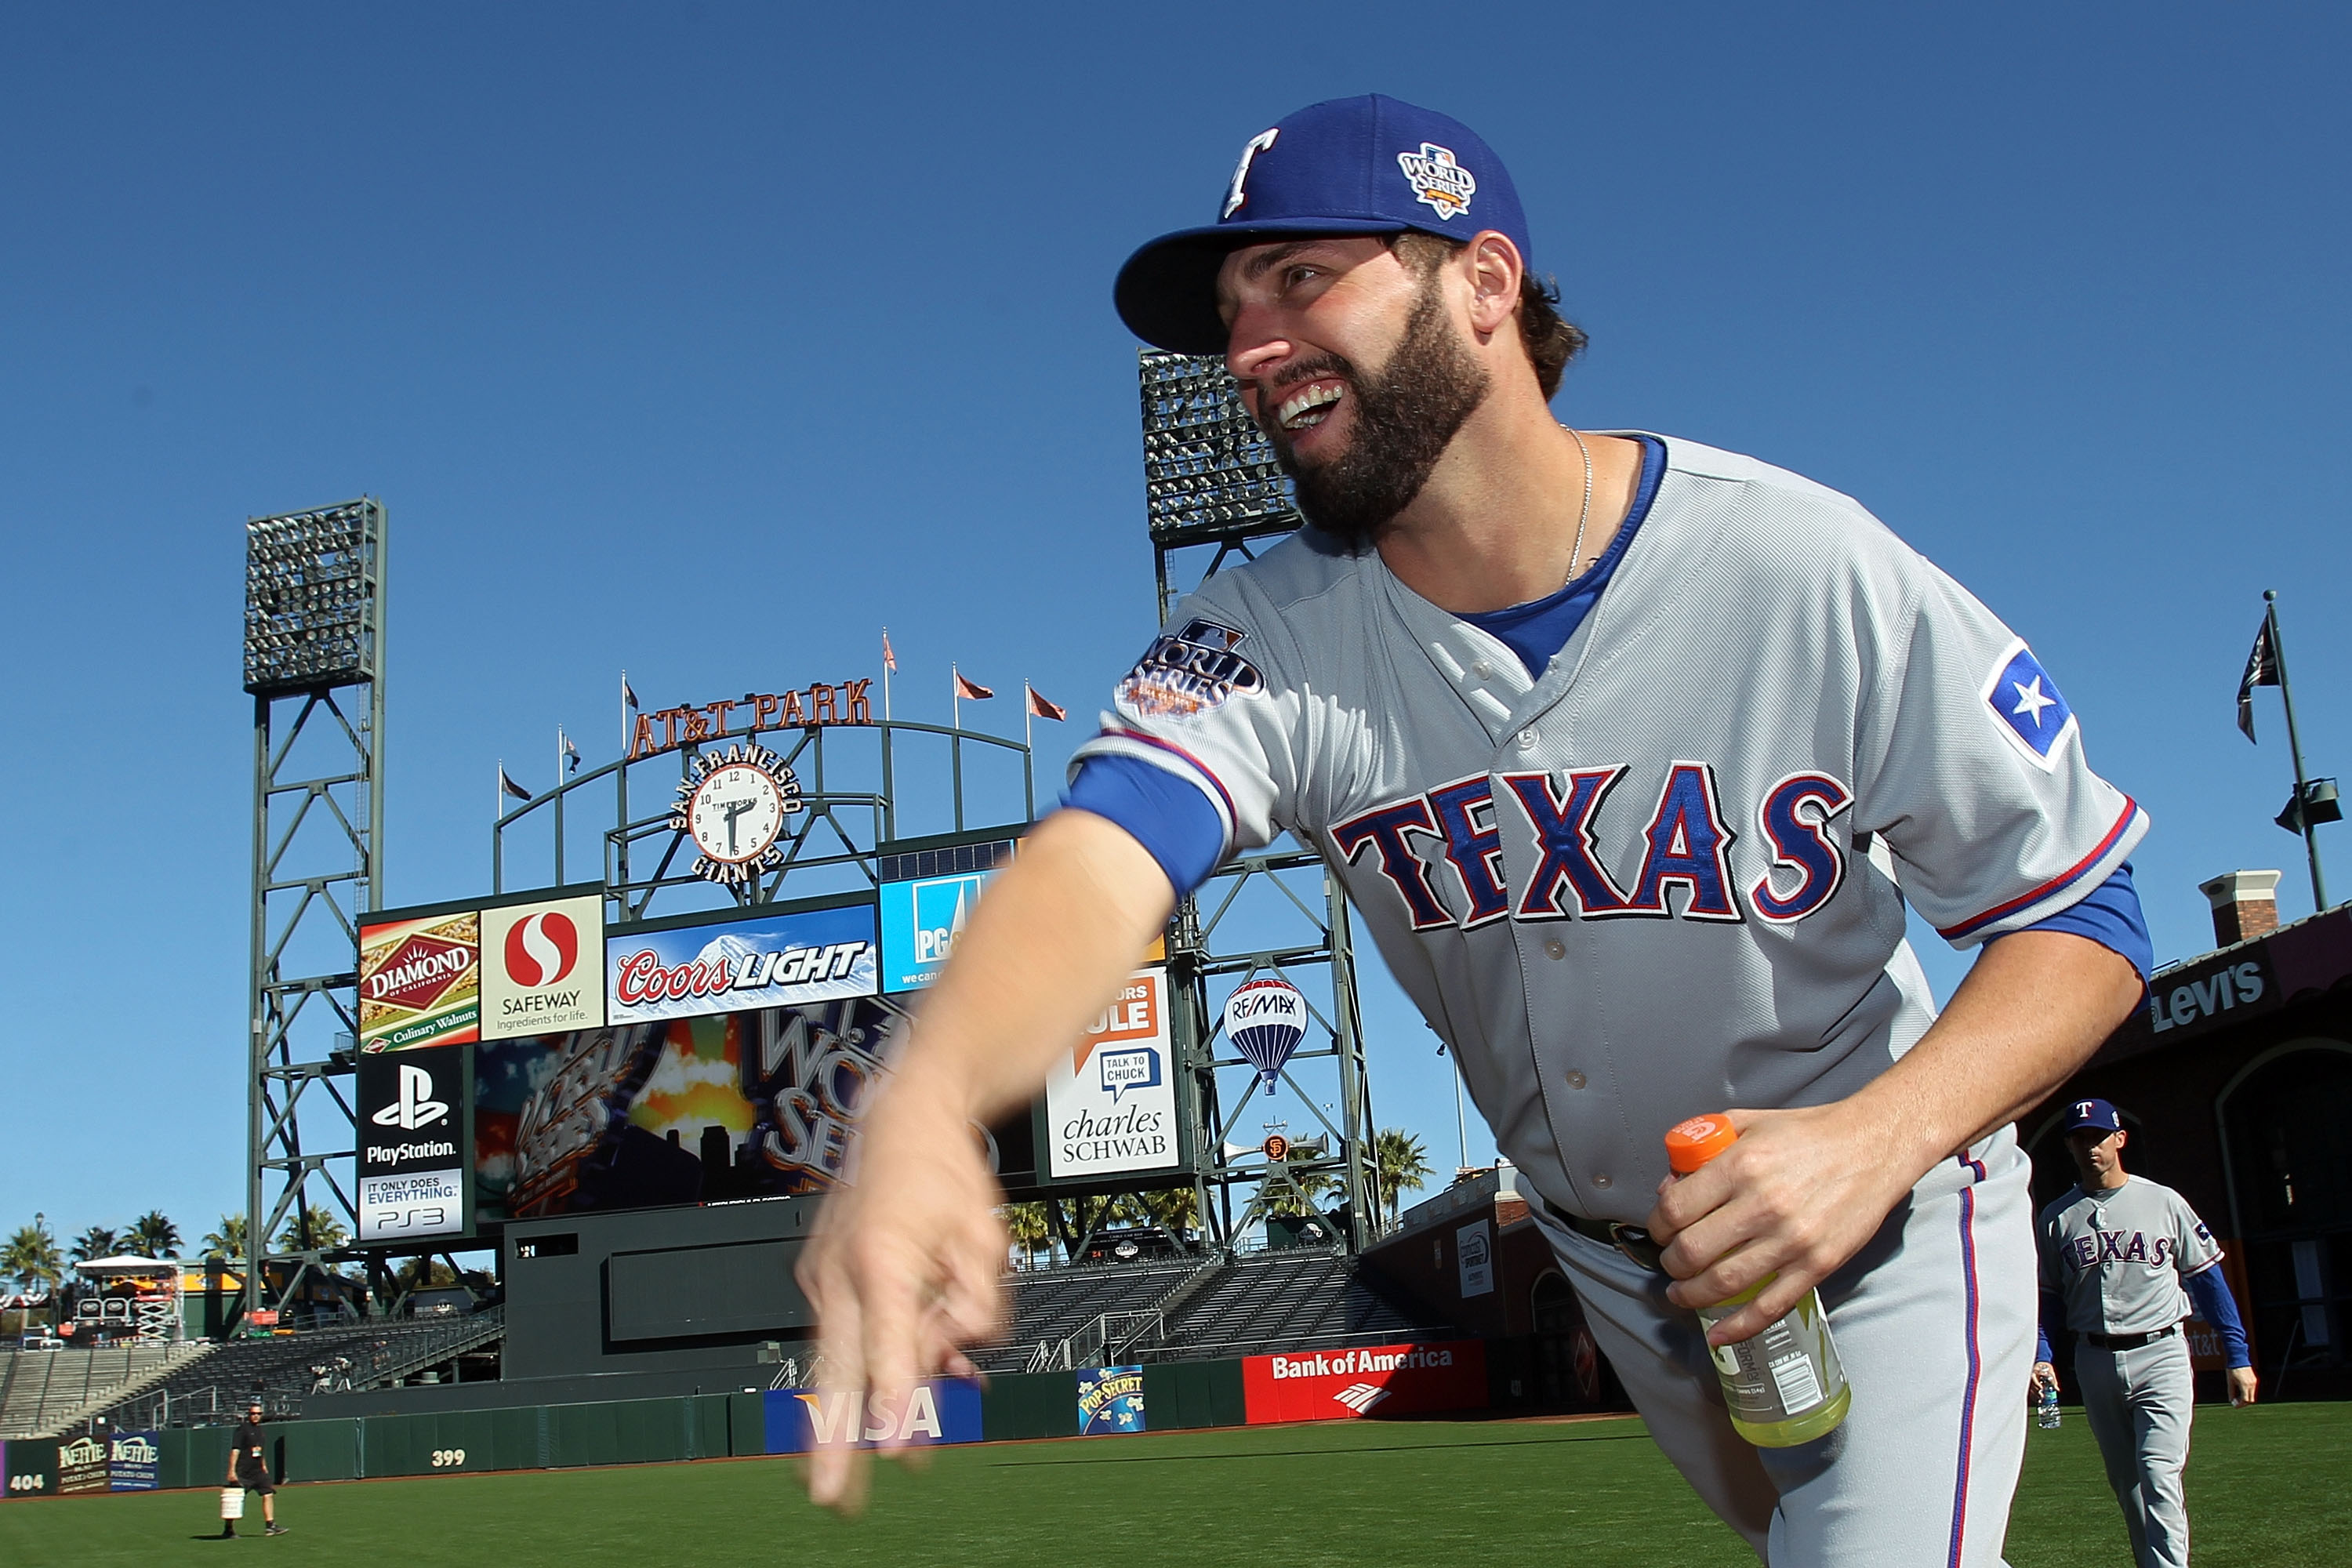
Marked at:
<point>1406,416</point>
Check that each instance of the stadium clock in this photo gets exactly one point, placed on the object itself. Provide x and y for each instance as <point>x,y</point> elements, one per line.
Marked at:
<point>733,804</point>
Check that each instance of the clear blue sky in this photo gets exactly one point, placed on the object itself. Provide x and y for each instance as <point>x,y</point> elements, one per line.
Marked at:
<point>705,340</point>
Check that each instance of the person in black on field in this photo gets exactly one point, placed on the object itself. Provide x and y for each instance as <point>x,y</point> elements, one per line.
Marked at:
<point>248,1467</point>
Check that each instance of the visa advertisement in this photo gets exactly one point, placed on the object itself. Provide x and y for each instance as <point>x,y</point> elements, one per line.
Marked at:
<point>1377,1380</point>
<point>420,981</point>
<point>1110,1099</point>
<point>940,1410</point>
<point>412,1151</point>
<point>541,967</point>
<point>772,959</point>
<point>1111,1402</point>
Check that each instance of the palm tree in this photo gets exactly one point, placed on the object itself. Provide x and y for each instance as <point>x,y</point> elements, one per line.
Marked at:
<point>1026,1226</point>
<point>32,1260</point>
<point>1399,1164</point>
<point>327,1232</point>
<point>1174,1210</point>
<point>153,1234</point>
<point>228,1241</point>
<point>96,1242</point>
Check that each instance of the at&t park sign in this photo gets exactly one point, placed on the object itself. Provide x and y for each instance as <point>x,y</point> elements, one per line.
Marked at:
<point>669,727</point>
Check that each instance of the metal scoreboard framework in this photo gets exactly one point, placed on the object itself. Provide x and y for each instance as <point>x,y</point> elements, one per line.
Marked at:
<point>1212,486</point>
<point>314,659</point>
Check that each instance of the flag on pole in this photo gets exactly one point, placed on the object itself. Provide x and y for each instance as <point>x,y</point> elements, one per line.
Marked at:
<point>2261,670</point>
<point>506,783</point>
<point>967,687</point>
<point>569,752</point>
<point>628,693</point>
<point>1043,709</point>
<point>890,659</point>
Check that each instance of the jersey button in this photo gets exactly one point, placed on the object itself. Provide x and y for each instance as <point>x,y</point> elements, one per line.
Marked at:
<point>1526,739</point>
<point>1601,1179</point>
<point>1576,1081</point>
<point>1482,669</point>
<point>1555,948</point>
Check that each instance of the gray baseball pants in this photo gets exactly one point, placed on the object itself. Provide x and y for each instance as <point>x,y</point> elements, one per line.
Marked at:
<point>1934,1320</point>
<point>2139,1403</point>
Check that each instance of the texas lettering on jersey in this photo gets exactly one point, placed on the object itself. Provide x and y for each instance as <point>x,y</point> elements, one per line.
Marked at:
<point>2098,1248</point>
<point>1685,846</point>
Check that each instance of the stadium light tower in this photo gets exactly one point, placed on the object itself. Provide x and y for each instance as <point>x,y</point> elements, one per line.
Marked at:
<point>314,646</point>
<point>1210,482</point>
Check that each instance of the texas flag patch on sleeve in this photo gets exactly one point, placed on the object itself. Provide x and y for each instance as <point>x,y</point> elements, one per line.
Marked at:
<point>2028,706</point>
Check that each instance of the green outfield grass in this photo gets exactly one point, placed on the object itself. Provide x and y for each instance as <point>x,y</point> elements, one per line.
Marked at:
<point>2266,1487</point>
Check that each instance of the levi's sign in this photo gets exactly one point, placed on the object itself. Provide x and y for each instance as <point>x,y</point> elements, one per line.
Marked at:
<point>2196,998</point>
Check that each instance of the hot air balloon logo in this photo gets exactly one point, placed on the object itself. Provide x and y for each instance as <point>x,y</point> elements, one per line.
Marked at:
<point>1266,1019</point>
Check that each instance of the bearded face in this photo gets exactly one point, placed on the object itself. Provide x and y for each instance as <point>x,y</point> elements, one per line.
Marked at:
<point>1407,412</point>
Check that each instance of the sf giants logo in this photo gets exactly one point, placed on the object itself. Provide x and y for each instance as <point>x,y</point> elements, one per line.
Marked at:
<point>1687,845</point>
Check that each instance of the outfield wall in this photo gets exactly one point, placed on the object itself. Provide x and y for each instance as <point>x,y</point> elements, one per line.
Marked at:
<point>1342,1384</point>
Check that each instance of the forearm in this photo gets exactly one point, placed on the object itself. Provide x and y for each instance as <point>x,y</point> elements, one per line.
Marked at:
<point>2031,1010</point>
<point>1046,949</point>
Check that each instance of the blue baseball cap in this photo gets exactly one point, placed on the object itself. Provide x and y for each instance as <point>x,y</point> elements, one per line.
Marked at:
<point>1353,165</point>
<point>2095,1113</point>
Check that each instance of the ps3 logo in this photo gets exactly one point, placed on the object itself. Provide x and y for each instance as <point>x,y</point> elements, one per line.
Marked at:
<point>542,949</point>
<point>415,1108</point>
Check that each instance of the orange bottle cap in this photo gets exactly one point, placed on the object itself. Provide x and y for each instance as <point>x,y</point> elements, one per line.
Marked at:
<point>1693,1143</point>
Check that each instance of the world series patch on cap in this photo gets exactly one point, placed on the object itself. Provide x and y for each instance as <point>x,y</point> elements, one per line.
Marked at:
<point>2095,1113</point>
<point>1352,165</point>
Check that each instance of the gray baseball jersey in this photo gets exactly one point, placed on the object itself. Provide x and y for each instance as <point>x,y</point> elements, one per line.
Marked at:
<point>2117,1258</point>
<point>1635,890</point>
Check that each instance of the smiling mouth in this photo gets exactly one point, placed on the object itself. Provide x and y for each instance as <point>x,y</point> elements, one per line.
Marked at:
<point>1309,405</point>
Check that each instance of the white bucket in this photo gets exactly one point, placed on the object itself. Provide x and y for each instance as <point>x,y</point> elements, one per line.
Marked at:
<point>233,1502</point>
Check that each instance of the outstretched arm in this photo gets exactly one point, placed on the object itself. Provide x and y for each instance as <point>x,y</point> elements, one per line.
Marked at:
<point>1802,1190</point>
<point>903,1267</point>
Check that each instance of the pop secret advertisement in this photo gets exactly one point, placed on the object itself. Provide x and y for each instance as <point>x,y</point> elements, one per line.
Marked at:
<point>1374,1380</point>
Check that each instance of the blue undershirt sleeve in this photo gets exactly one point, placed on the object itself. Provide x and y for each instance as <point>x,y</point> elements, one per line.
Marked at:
<point>1170,817</point>
<point>2211,1291</point>
<point>2110,915</point>
<point>2053,1313</point>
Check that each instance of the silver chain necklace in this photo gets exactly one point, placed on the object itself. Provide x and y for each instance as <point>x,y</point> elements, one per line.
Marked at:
<point>1584,512</point>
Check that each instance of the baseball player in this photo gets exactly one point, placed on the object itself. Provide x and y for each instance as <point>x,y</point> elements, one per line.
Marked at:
<point>1630,752</point>
<point>2122,1258</point>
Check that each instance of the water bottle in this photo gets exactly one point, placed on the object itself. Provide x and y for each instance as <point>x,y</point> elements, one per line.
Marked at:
<point>2045,1410</point>
<point>1784,1386</point>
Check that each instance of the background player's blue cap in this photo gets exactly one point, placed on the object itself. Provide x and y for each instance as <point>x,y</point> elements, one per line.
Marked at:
<point>1353,165</point>
<point>2095,1113</point>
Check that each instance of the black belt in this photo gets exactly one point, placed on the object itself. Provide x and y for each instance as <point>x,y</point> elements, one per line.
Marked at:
<point>2130,1342</point>
<point>1630,1239</point>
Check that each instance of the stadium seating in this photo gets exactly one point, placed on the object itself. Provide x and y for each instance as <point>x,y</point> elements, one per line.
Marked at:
<point>43,1392</point>
<point>281,1369</point>
<point>1216,1308</point>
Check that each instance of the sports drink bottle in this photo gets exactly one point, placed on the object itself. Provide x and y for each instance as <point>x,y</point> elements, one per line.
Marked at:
<point>2046,1410</point>
<point>1784,1386</point>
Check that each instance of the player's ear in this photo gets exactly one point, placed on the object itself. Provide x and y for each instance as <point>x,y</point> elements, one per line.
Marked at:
<point>1495,269</point>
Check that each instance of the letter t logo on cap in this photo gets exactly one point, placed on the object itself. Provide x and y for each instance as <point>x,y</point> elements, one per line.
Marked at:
<point>1261,142</point>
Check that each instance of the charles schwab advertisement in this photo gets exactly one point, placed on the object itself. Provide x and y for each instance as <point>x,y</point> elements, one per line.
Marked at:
<point>777,958</point>
<point>1110,1100</point>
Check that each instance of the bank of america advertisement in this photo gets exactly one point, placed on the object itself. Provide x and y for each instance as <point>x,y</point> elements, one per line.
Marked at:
<point>541,967</point>
<point>1110,1100</point>
<point>771,959</point>
<point>420,981</point>
<point>414,1147</point>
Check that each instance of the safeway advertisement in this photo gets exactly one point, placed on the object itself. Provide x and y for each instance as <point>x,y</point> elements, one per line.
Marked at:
<point>543,967</point>
<point>1375,1379</point>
